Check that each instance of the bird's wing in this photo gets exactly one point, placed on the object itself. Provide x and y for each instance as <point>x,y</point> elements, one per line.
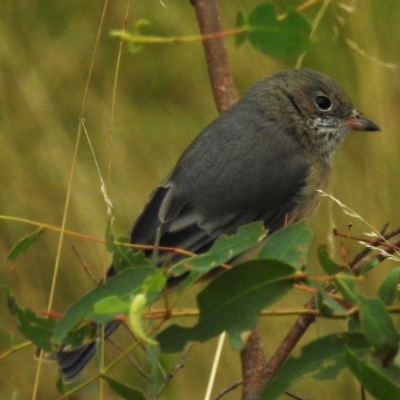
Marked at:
<point>192,209</point>
<point>238,170</point>
<point>179,226</point>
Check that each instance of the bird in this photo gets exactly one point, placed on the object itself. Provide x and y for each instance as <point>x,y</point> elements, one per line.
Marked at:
<point>263,159</point>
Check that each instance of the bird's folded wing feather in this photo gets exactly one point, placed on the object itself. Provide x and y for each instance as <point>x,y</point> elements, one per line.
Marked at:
<point>213,192</point>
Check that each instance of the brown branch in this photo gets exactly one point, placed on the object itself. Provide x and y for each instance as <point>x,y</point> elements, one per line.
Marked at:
<point>253,367</point>
<point>357,263</point>
<point>288,343</point>
<point>225,95</point>
<point>379,242</point>
<point>209,21</point>
<point>227,390</point>
<point>383,243</point>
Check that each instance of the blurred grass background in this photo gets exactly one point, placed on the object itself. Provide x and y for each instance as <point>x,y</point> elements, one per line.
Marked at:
<point>163,102</point>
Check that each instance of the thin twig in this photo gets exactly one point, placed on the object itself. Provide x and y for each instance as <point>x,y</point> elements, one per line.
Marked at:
<point>130,358</point>
<point>363,393</point>
<point>84,265</point>
<point>177,367</point>
<point>377,242</point>
<point>384,229</point>
<point>228,389</point>
<point>293,396</point>
<point>289,342</point>
<point>253,366</point>
<point>356,267</point>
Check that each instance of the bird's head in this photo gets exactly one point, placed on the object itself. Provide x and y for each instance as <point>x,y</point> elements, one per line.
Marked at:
<point>314,108</point>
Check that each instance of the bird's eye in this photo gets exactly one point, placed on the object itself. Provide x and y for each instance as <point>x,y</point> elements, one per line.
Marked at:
<point>323,103</point>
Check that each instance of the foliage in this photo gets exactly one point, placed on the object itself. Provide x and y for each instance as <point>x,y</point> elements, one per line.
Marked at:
<point>236,299</point>
<point>231,303</point>
<point>278,37</point>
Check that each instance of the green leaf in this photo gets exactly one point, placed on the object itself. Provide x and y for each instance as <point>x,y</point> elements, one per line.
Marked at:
<point>39,330</point>
<point>126,392</point>
<point>345,282</point>
<point>375,320</point>
<point>60,385</point>
<point>289,245</point>
<point>284,37</point>
<point>235,334</point>
<point>24,244</point>
<point>112,305</point>
<point>155,377</point>
<point>223,250</point>
<point>109,234</point>
<point>377,324</point>
<point>368,266</point>
<point>125,257</point>
<point>389,288</point>
<point>354,324</point>
<point>79,336</point>
<point>328,265</point>
<point>325,303</point>
<point>324,358</point>
<point>154,284</point>
<point>241,292</point>
<point>123,285</point>
<point>227,247</point>
<point>373,378</point>
<point>240,23</point>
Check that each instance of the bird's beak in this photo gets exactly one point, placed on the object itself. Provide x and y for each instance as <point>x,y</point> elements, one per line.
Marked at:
<point>357,122</point>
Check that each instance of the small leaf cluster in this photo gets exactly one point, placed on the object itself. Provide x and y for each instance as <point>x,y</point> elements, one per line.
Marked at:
<point>288,36</point>
<point>232,303</point>
<point>279,36</point>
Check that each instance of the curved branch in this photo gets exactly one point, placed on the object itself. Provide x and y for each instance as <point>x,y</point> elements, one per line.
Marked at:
<point>209,21</point>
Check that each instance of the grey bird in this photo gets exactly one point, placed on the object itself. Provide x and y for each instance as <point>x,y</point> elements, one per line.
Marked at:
<point>261,160</point>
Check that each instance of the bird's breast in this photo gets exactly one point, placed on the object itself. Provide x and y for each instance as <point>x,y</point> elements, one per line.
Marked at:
<point>309,196</point>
